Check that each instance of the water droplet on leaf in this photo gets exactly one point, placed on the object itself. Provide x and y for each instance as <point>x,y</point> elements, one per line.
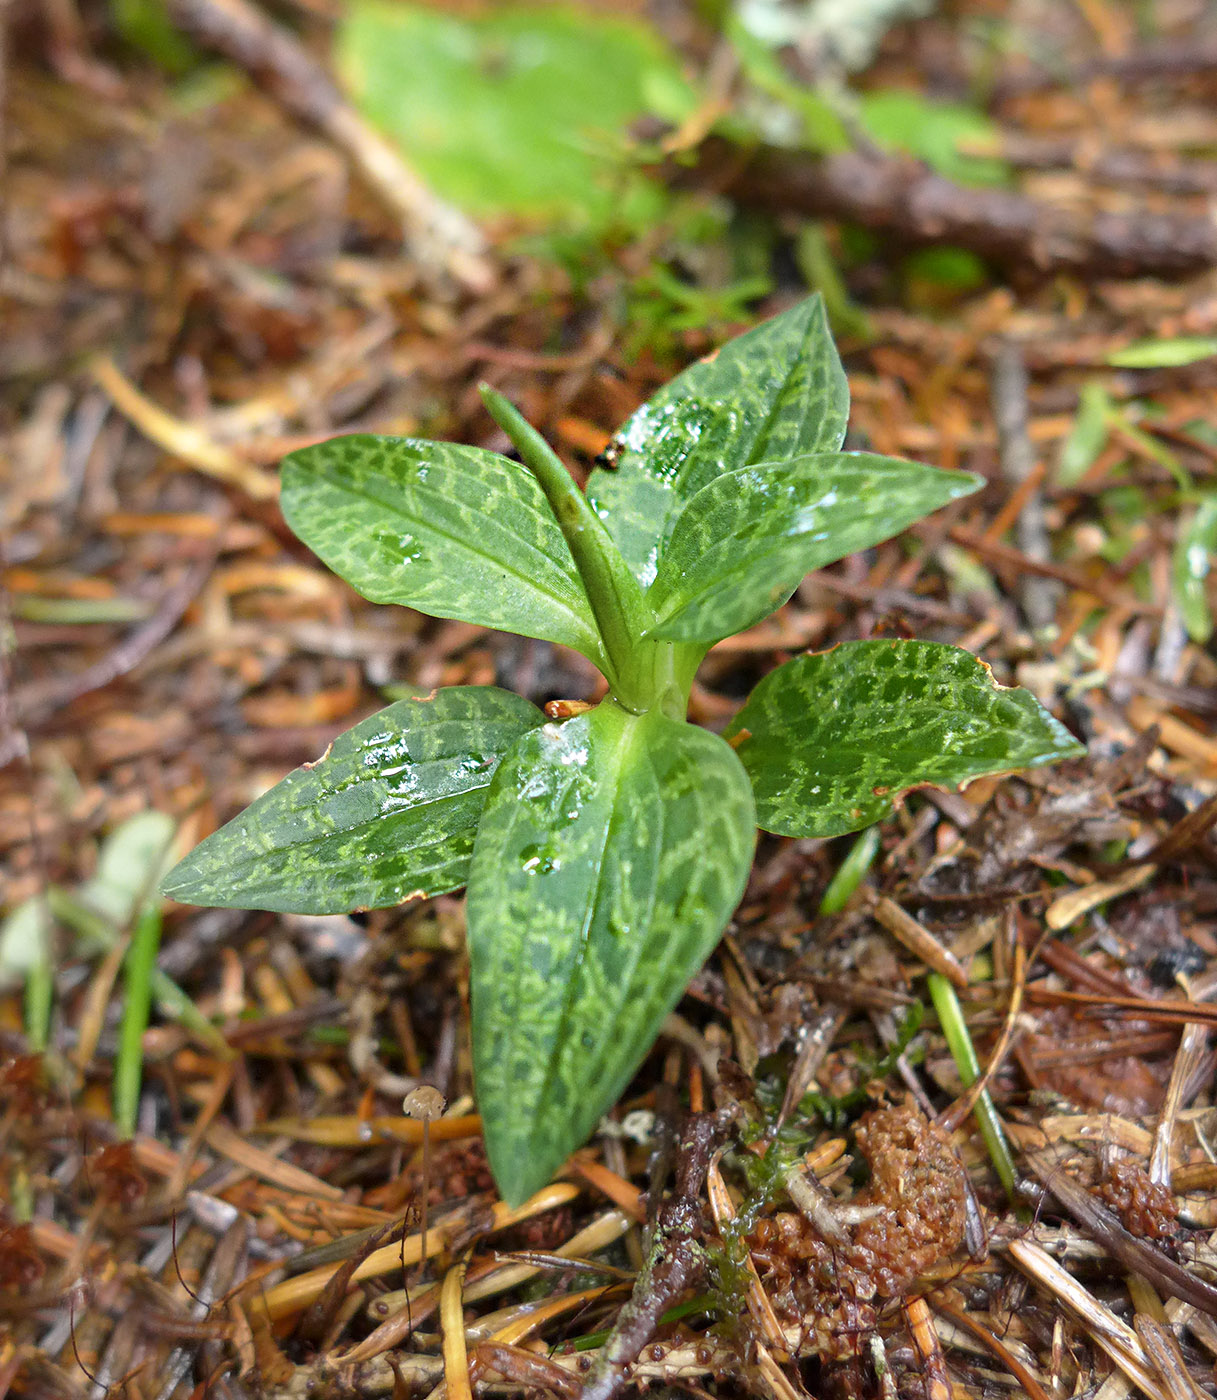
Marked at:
<point>539,860</point>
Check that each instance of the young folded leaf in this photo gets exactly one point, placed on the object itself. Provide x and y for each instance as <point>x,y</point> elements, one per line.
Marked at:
<point>611,853</point>
<point>775,392</point>
<point>832,740</point>
<point>388,813</point>
<point>452,531</point>
<point>741,545</point>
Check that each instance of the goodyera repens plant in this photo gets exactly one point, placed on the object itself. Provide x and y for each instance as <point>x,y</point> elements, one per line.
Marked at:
<point>605,852</point>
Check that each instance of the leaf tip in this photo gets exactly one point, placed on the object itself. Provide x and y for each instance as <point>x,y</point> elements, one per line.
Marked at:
<point>518,1177</point>
<point>494,402</point>
<point>181,883</point>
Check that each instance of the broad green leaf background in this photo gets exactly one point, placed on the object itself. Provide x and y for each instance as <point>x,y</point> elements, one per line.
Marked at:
<point>741,545</point>
<point>387,813</point>
<point>132,859</point>
<point>775,392</point>
<point>612,851</point>
<point>452,531</point>
<point>521,111</point>
<point>831,740</point>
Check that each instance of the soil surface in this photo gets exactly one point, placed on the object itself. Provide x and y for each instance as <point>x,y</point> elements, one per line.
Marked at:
<point>797,1195</point>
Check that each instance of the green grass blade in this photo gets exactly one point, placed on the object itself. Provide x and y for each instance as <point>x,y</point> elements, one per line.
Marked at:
<point>963,1052</point>
<point>137,1001</point>
<point>852,872</point>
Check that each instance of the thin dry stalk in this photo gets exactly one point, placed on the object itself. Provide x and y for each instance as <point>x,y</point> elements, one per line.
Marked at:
<point>452,1325</point>
<point>919,941</point>
<point>1114,1337</point>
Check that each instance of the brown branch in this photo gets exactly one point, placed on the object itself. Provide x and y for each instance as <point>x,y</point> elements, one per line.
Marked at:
<point>905,200</point>
<point>1104,166</point>
<point>1167,60</point>
<point>444,240</point>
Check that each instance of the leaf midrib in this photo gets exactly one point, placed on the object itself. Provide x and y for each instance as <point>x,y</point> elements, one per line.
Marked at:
<point>799,360</point>
<point>750,458</point>
<point>624,747</point>
<point>307,841</point>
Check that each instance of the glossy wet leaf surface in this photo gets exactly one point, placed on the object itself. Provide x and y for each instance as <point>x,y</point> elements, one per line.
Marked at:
<point>387,813</point>
<point>452,531</point>
<point>831,740</point>
<point>742,544</point>
<point>773,393</point>
<point>612,851</point>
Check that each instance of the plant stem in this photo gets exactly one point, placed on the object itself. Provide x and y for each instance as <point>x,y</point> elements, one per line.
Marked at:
<point>616,599</point>
<point>129,1063</point>
<point>855,865</point>
<point>40,984</point>
<point>959,1041</point>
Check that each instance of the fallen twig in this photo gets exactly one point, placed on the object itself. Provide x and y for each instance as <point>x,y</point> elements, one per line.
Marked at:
<point>1039,596</point>
<point>36,702</point>
<point>906,200</point>
<point>1119,1341</point>
<point>452,1324</point>
<point>180,439</point>
<point>445,242</point>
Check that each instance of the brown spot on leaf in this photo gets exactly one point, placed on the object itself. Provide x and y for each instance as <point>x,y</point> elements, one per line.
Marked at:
<point>329,748</point>
<point>566,709</point>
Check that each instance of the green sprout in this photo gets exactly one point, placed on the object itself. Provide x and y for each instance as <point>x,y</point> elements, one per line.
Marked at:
<point>605,853</point>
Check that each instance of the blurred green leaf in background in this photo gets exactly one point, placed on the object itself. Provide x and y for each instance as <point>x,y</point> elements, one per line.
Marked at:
<point>1165,354</point>
<point>939,133</point>
<point>518,112</point>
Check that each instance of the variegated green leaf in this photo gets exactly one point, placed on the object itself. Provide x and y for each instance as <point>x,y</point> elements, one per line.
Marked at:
<point>831,741</point>
<point>776,392</point>
<point>612,851</point>
<point>741,545</point>
<point>452,531</point>
<point>388,813</point>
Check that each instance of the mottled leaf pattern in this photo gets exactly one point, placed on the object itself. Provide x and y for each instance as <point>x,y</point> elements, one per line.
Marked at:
<point>452,531</point>
<point>776,392</point>
<point>388,812</point>
<point>612,851</point>
<point>741,545</point>
<point>831,740</point>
